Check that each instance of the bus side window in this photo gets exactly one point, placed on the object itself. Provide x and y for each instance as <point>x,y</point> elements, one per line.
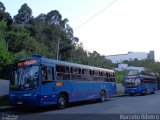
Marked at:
<point>44,72</point>
<point>60,70</point>
<point>87,75</point>
<point>63,72</point>
<point>47,73</point>
<point>96,75</point>
<point>76,73</point>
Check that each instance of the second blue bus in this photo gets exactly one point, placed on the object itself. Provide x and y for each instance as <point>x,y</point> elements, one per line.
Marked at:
<point>140,84</point>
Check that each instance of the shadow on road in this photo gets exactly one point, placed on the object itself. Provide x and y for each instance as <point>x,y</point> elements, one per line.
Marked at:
<point>31,110</point>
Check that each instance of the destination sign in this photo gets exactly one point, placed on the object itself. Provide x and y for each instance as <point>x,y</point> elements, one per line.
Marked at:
<point>27,62</point>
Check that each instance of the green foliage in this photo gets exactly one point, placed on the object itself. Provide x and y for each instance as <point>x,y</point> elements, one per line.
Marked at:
<point>19,40</point>
<point>47,34</point>
<point>51,36</point>
<point>4,100</point>
<point>2,7</point>
<point>120,76</point>
<point>79,55</point>
<point>5,15</point>
<point>98,60</point>
<point>24,15</point>
<point>5,56</point>
<point>3,28</point>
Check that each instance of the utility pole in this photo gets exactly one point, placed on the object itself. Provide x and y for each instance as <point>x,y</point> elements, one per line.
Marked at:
<point>58,48</point>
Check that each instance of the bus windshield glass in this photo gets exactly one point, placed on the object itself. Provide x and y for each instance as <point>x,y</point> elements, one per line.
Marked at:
<point>131,82</point>
<point>24,78</point>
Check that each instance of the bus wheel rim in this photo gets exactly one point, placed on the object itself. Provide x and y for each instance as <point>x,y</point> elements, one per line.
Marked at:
<point>62,102</point>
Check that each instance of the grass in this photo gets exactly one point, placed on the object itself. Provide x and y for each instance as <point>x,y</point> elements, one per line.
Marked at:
<point>4,100</point>
<point>120,93</point>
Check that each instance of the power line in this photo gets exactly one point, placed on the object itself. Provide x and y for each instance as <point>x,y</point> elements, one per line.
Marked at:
<point>96,14</point>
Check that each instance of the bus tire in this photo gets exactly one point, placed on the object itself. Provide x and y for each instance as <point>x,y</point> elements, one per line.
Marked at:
<point>131,94</point>
<point>103,96</point>
<point>145,93</point>
<point>62,101</point>
<point>153,92</point>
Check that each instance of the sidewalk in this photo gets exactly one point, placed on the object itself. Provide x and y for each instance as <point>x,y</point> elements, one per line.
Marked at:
<point>4,108</point>
<point>4,87</point>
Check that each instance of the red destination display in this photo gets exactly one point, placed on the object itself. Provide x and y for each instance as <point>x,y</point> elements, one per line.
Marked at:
<point>28,62</point>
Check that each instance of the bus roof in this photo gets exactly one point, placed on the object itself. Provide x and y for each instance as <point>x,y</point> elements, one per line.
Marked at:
<point>50,61</point>
<point>140,75</point>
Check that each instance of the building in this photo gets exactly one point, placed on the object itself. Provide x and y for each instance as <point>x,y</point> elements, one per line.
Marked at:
<point>119,58</point>
<point>151,55</point>
<point>122,67</point>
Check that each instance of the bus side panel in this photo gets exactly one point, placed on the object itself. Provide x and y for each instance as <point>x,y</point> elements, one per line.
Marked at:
<point>83,90</point>
<point>90,90</point>
<point>150,87</point>
<point>50,92</point>
<point>111,88</point>
<point>147,87</point>
<point>76,90</point>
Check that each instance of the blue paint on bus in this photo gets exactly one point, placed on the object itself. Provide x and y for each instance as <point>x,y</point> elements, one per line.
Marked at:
<point>140,84</point>
<point>39,81</point>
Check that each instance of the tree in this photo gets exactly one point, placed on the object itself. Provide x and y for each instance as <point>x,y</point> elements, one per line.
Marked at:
<point>3,28</point>
<point>24,15</point>
<point>54,17</point>
<point>5,15</point>
<point>120,76</point>
<point>5,56</point>
<point>47,34</point>
<point>55,33</point>
<point>2,7</point>
<point>18,40</point>
<point>79,55</point>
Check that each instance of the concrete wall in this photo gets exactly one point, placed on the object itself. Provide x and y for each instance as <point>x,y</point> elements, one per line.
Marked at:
<point>120,88</point>
<point>130,56</point>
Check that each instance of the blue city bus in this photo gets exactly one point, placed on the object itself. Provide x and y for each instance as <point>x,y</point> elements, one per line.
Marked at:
<point>39,81</point>
<point>140,84</point>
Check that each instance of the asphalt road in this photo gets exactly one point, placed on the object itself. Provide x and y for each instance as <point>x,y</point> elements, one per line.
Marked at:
<point>118,105</point>
<point>114,107</point>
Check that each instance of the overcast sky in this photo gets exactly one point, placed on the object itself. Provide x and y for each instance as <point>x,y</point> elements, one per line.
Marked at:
<point>106,26</point>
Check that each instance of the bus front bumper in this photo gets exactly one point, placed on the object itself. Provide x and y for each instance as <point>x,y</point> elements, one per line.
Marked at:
<point>136,90</point>
<point>32,99</point>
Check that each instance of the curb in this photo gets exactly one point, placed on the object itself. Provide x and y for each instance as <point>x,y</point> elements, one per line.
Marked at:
<point>4,108</point>
<point>120,95</point>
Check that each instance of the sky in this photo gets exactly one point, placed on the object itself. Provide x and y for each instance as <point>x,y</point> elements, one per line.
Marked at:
<point>107,26</point>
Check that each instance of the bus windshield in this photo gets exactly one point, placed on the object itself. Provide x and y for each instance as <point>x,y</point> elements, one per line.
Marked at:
<point>24,78</point>
<point>131,82</point>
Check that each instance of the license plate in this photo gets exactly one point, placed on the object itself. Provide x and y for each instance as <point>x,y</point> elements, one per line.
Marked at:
<point>19,103</point>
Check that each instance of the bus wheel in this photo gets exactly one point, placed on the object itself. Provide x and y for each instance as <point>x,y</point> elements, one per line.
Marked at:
<point>131,94</point>
<point>62,101</point>
<point>145,93</point>
<point>153,92</point>
<point>103,96</point>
